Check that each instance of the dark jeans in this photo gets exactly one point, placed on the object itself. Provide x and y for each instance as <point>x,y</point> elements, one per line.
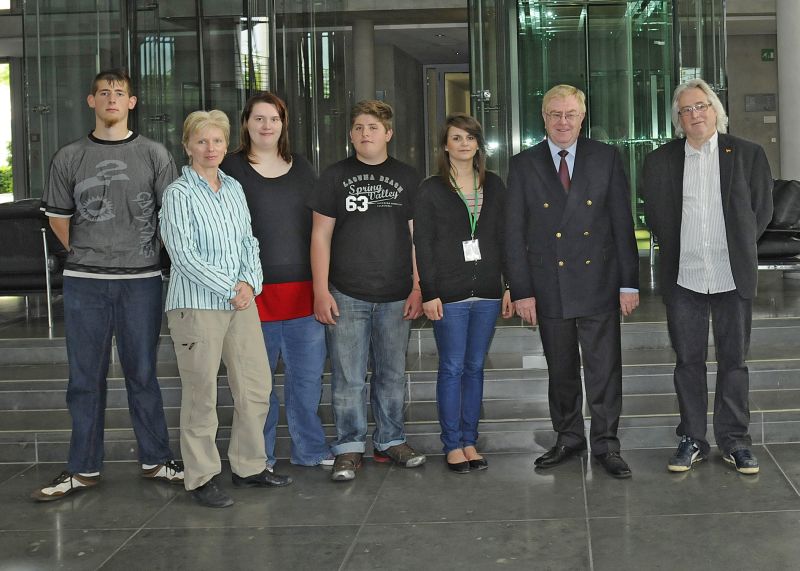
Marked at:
<point>600,348</point>
<point>94,309</point>
<point>687,317</point>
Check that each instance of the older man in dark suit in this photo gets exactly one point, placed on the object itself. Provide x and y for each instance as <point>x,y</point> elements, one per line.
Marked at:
<point>573,264</point>
<point>708,198</point>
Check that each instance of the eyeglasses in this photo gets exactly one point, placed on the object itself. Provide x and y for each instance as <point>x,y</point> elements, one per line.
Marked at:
<point>559,115</point>
<point>699,107</point>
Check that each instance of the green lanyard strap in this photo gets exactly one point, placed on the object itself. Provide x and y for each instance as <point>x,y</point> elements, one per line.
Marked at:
<point>473,215</point>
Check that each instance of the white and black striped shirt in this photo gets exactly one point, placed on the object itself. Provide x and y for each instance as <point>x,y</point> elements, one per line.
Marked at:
<point>704,265</point>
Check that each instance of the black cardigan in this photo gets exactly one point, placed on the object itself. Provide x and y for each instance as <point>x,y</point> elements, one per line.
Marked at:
<point>441,224</point>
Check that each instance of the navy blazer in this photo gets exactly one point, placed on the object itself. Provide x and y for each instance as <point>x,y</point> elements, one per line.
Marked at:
<point>571,251</point>
<point>746,187</point>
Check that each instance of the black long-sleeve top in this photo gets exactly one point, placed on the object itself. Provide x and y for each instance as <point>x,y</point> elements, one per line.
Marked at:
<point>441,224</point>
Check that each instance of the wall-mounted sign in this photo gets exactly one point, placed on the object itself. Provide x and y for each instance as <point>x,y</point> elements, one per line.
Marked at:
<point>768,54</point>
<point>760,102</point>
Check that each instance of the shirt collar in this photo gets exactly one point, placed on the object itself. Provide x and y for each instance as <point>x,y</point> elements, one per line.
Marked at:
<point>555,149</point>
<point>708,147</point>
<point>191,175</point>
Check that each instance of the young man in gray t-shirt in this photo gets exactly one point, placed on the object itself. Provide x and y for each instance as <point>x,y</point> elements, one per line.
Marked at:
<point>102,197</point>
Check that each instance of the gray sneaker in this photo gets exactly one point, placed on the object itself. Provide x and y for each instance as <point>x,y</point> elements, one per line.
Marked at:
<point>401,454</point>
<point>687,454</point>
<point>345,466</point>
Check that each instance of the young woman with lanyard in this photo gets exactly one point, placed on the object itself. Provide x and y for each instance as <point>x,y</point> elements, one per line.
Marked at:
<point>458,235</point>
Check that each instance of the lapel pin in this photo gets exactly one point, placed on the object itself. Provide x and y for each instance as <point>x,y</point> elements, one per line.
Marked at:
<point>728,150</point>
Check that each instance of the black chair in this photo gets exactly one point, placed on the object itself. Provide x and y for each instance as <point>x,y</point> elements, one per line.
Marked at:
<point>779,247</point>
<point>31,257</point>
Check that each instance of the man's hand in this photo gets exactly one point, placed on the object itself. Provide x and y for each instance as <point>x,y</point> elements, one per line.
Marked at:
<point>244,296</point>
<point>628,301</point>
<point>433,309</point>
<point>413,307</point>
<point>325,308</point>
<point>507,307</point>
<point>526,309</point>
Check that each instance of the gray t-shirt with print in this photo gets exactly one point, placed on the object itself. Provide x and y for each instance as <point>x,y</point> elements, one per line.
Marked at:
<point>111,191</point>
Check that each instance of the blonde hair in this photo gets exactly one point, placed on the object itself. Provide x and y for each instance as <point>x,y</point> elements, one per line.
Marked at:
<point>561,92</point>
<point>199,120</point>
<point>713,100</point>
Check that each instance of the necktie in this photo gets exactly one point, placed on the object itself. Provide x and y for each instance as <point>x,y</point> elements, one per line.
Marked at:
<point>563,170</point>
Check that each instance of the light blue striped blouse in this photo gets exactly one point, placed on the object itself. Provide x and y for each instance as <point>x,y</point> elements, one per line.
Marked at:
<point>210,241</point>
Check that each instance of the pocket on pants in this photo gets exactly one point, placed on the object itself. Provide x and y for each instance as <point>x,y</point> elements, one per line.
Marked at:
<point>191,349</point>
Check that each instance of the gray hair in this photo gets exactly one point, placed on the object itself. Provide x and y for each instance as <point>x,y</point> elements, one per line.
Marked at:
<point>722,117</point>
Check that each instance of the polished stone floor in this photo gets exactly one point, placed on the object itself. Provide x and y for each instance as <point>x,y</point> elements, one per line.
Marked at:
<point>507,517</point>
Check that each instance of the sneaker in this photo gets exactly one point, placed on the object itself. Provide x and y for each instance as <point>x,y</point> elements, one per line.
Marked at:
<point>401,454</point>
<point>170,471</point>
<point>743,460</point>
<point>687,454</point>
<point>211,495</point>
<point>345,466</point>
<point>327,462</point>
<point>64,485</point>
<point>264,479</point>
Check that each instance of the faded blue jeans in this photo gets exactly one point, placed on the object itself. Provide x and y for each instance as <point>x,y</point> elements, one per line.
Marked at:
<point>361,326</point>
<point>300,343</point>
<point>94,310</point>
<point>462,340</point>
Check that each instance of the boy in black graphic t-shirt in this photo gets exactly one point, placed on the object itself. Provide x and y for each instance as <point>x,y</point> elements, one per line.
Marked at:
<point>366,289</point>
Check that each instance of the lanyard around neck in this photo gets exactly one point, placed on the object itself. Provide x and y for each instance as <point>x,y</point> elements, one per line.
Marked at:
<point>473,215</point>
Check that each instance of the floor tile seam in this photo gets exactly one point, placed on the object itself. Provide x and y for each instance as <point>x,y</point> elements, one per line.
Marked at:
<point>584,470</point>
<point>699,514</point>
<point>780,468</point>
<point>27,467</point>
<point>351,548</point>
<point>476,521</point>
<point>137,532</point>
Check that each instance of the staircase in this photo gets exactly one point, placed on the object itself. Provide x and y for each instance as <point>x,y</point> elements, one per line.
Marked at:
<point>35,424</point>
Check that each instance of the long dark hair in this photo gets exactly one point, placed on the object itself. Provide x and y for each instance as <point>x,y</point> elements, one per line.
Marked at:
<point>471,126</point>
<point>245,144</point>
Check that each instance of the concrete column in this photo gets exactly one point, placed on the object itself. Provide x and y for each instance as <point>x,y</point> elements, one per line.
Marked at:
<point>364,56</point>
<point>788,16</point>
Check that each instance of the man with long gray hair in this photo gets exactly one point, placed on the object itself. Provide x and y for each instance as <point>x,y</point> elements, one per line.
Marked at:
<point>708,198</point>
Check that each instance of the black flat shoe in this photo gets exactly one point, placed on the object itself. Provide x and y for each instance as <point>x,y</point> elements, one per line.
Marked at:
<point>479,464</point>
<point>614,465</point>
<point>556,455</point>
<point>261,480</point>
<point>458,467</point>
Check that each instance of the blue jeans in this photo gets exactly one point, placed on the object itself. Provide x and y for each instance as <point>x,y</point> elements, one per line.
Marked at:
<point>462,339</point>
<point>301,344</point>
<point>94,309</point>
<point>362,329</point>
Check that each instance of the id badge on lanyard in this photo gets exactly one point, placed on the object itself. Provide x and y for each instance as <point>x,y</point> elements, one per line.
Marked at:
<point>472,251</point>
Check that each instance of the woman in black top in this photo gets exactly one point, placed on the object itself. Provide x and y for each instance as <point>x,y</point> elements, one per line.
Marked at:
<point>458,235</point>
<point>276,184</point>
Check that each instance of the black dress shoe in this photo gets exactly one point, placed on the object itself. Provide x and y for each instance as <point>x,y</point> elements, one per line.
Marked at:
<point>458,467</point>
<point>556,455</point>
<point>479,464</point>
<point>614,464</point>
<point>261,480</point>
<point>211,496</point>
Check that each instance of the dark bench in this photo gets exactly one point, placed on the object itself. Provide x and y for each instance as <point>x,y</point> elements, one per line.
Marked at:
<point>779,247</point>
<point>31,257</point>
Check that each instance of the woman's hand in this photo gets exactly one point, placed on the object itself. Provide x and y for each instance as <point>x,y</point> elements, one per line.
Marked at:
<point>433,309</point>
<point>244,296</point>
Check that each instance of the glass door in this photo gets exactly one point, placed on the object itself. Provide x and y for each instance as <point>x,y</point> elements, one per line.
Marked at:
<point>490,62</point>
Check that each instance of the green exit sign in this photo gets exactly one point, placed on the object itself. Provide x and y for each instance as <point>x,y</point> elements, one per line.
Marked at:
<point>768,54</point>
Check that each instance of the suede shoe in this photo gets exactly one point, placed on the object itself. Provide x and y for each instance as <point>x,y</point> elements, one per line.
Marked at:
<point>401,454</point>
<point>614,464</point>
<point>556,455</point>
<point>688,453</point>
<point>264,479</point>
<point>63,485</point>
<point>743,460</point>
<point>345,466</point>
<point>211,495</point>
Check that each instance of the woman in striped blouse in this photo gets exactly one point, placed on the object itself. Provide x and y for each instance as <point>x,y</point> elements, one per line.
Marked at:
<point>215,275</point>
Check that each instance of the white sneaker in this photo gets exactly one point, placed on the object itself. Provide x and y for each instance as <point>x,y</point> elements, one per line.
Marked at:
<point>64,485</point>
<point>171,472</point>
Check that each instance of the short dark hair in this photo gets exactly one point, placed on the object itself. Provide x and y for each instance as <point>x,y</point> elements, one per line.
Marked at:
<point>112,76</point>
<point>471,126</point>
<point>379,109</point>
<point>245,144</point>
